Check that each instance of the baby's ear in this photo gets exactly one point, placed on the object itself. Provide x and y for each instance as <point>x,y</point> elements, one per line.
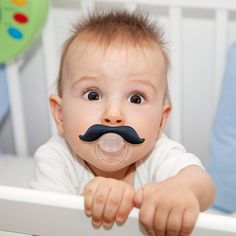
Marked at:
<point>55,105</point>
<point>166,109</point>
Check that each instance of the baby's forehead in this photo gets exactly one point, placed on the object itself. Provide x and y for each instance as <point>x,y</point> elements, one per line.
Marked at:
<point>135,63</point>
<point>144,62</point>
<point>148,51</point>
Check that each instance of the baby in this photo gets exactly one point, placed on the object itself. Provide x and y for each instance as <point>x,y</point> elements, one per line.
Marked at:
<point>110,110</point>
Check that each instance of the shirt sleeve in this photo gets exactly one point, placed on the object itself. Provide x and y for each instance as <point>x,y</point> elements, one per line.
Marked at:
<point>174,162</point>
<point>167,159</point>
<point>51,171</point>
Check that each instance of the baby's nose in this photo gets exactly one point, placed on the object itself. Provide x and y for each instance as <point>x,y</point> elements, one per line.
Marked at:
<point>112,121</point>
<point>113,117</point>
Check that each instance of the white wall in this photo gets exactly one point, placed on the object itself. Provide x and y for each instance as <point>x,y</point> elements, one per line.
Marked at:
<point>198,105</point>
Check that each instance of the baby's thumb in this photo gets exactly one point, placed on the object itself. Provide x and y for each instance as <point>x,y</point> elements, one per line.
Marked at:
<point>138,198</point>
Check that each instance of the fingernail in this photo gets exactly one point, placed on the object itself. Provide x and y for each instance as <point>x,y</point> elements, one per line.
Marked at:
<point>88,212</point>
<point>120,219</point>
<point>97,224</point>
<point>107,225</point>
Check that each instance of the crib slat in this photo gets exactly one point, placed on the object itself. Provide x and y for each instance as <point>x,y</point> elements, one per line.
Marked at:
<point>175,73</point>
<point>221,25</point>
<point>17,109</point>
<point>50,64</point>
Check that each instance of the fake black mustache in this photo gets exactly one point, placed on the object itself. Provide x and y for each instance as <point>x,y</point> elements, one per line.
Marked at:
<point>126,132</point>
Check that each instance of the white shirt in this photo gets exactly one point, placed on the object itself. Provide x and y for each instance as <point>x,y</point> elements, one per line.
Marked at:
<point>58,170</point>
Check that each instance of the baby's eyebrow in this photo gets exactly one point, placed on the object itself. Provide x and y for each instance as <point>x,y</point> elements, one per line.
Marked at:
<point>88,78</point>
<point>84,79</point>
<point>147,83</point>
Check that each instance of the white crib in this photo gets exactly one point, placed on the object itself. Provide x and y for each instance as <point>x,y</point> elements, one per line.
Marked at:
<point>39,213</point>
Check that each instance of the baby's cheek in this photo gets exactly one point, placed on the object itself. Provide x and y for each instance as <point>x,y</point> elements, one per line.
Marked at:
<point>150,132</point>
<point>142,150</point>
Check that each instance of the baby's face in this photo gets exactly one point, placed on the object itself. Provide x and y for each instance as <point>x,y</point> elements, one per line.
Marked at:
<point>117,86</point>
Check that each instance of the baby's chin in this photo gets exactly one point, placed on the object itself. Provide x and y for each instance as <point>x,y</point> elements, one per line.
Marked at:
<point>116,172</point>
<point>108,167</point>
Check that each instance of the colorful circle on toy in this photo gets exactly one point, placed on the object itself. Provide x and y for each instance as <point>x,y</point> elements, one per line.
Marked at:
<point>20,22</point>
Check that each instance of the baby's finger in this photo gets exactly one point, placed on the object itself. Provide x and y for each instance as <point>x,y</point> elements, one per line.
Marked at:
<point>126,205</point>
<point>160,221</point>
<point>174,222</point>
<point>89,192</point>
<point>112,206</point>
<point>99,202</point>
<point>189,220</point>
<point>138,198</point>
<point>146,217</point>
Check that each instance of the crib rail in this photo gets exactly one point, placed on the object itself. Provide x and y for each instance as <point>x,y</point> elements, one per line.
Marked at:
<point>201,4</point>
<point>43,213</point>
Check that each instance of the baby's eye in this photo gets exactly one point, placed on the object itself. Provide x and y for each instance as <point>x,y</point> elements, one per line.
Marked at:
<point>92,95</point>
<point>136,98</point>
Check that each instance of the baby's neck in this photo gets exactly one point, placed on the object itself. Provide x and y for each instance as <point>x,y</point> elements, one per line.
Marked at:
<point>129,178</point>
<point>126,174</point>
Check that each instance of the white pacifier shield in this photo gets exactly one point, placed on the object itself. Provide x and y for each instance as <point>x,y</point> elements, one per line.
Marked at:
<point>111,149</point>
<point>111,143</point>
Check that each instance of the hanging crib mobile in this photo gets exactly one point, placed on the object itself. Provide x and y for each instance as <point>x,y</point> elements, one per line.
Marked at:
<point>20,22</point>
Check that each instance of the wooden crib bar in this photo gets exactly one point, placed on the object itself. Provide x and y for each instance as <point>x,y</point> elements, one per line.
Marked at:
<point>17,108</point>
<point>200,4</point>
<point>48,214</point>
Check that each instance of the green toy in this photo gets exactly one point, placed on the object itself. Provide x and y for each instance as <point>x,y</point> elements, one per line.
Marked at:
<point>20,21</point>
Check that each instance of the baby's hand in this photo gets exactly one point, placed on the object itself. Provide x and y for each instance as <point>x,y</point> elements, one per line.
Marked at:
<point>167,208</point>
<point>108,200</point>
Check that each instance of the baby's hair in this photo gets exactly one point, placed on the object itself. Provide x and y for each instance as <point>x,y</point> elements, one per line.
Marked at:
<point>115,26</point>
